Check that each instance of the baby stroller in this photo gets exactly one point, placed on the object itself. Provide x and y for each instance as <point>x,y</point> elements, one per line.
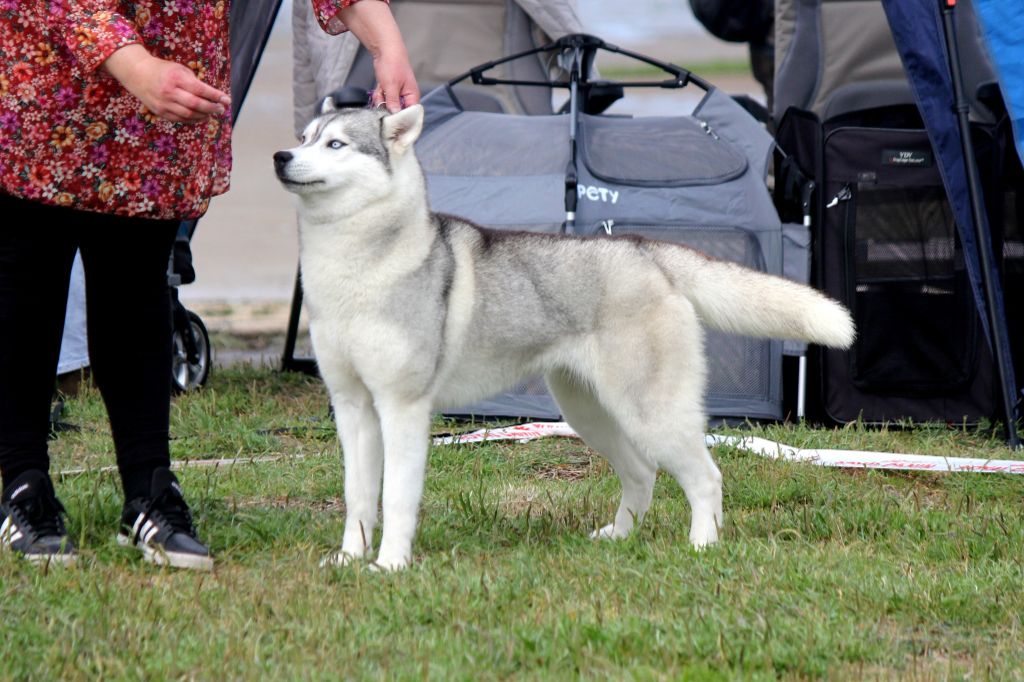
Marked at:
<point>190,350</point>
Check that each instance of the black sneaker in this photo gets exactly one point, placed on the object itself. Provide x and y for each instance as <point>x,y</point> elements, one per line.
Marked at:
<point>161,526</point>
<point>32,525</point>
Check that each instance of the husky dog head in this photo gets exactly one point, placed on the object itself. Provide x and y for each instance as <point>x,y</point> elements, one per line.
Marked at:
<point>353,151</point>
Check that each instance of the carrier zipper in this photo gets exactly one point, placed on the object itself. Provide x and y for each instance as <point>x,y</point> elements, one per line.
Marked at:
<point>844,194</point>
<point>707,129</point>
<point>607,225</point>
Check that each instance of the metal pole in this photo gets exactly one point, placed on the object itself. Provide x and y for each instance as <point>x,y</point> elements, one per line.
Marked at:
<point>571,173</point>
<point>806,196</point>
<point>984,238</point>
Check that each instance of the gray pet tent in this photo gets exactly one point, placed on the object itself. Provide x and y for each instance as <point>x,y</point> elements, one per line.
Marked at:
<point>696,179</point>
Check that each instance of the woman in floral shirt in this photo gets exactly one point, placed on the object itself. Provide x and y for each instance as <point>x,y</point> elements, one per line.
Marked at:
<point>114,127</point>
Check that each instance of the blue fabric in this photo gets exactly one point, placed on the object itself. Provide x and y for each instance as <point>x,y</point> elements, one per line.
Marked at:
<point>1002,23</point>
<point>917,29</point>
<point>921,41</point>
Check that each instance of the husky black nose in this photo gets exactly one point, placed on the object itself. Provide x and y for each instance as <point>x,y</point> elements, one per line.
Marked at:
<point>281,160</point>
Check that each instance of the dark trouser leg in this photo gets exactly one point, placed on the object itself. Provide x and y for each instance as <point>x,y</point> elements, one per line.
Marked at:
<point>129,318</point>
<point>37,247</point>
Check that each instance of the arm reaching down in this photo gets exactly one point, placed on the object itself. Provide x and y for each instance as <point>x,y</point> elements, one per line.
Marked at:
<point>376,29</point>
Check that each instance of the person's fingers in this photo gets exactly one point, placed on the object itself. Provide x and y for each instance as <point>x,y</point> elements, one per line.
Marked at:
<point>176,113</point>
<point>206,91</point>
<point>396,94</point>
<point>410,95</point>
<point>198,105</point>
<point>391,96</point>
<point>376,97</point>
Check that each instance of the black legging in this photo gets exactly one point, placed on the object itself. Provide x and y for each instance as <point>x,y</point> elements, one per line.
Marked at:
<point>129,326</point>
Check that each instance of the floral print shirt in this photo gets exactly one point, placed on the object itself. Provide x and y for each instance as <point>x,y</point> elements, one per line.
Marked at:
<point>326,12</point>
<point>71,135</point>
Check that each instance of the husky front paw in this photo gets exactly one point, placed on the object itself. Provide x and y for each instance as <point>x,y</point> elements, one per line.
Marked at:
<point>704,536</point>
<point>609,532</point>
<point>703,542</point>
<point>391,563</point>
<point>339,558</point>
<point>704,530</point>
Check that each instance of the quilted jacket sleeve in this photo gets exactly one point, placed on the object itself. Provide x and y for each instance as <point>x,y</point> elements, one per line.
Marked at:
<point>303,86</point>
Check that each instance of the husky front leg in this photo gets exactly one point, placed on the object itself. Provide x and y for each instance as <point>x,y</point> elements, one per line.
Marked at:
<point>406,431</point>
<point>363,455</point>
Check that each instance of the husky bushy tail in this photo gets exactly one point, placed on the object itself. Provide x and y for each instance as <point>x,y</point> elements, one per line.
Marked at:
<point>737,300</point>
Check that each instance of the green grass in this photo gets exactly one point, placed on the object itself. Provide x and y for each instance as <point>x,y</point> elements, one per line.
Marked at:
<point>822,573</point>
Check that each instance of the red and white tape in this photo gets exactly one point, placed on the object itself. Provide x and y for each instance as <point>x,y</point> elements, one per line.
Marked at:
<point>519,432</point>
<point>850,459</point>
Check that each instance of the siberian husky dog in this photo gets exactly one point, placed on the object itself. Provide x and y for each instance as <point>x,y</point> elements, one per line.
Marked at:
<point>412,311</point>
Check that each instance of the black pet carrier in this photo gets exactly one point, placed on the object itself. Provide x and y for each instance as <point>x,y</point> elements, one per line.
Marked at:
<point>886,247</point>
<point>885,241</point>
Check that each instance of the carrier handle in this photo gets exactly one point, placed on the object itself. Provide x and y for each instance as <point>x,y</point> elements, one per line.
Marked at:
<point>588,45</point>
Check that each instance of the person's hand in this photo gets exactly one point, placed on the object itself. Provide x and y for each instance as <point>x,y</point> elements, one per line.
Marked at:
<point>168,89</point>
<point>396,84</point>
<point>373,24</point>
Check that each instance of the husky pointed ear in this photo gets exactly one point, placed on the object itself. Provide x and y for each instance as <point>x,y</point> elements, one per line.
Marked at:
<point>328,105</point>
<point>401,130</point>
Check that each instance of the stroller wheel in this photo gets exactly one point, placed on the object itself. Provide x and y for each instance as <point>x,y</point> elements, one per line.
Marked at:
<point>190,373</point>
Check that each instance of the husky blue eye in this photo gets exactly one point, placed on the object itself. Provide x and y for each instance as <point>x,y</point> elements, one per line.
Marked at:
<point>336,144</point>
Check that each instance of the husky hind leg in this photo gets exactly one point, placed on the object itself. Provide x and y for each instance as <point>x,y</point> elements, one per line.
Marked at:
<point>668,424</point>
<point>672,435</point>
<point>689,462</point>
<point>599,430</point>
<point>657,400</point>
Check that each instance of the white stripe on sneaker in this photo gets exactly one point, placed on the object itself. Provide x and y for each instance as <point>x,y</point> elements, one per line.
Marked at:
<point>135,526</point>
